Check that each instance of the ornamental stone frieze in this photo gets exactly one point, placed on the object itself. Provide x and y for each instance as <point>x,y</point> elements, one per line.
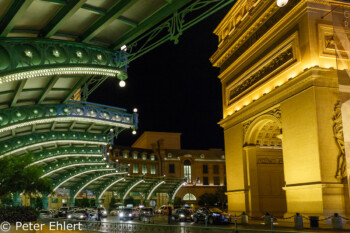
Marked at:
<point>261,73</point>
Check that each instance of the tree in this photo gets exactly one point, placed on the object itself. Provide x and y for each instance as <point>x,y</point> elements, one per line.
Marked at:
<point>38,203</point>
<point>15,177</point>
<point>208,199</point>
<point>222,198</point>
<point>7,201</point>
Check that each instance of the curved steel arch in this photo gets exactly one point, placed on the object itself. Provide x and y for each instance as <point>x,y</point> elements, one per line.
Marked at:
<point>176,189</point>
<point>21,143</point>
<point>92,179</point>
<point>34,57</point>
<point>107,185</point>
<point>53,168</point>
<point>57,153</point>
<point>154,187</point>
<point>78,172</point>
<point>130,187</point>
<point>16,117</point>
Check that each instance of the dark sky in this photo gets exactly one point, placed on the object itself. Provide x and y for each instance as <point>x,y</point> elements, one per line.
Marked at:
<point>175,89</point>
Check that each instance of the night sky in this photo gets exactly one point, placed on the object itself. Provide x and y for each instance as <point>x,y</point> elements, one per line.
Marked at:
<point>175,89</point>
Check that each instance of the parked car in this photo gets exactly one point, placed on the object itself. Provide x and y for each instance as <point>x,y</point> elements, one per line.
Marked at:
<point>78,214</point>
<point>145,212</point>
<point>182,215</point>
<point>125,214</point>
<point>114,212</point>
<point>63,212</point>
<point>45,214</point>
<point>213,215</point>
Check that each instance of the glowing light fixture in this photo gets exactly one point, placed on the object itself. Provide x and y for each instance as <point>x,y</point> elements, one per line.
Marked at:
<point>135,110</point>
<point>282,3</point>
<point>134,132</point>
<point>122,83</point>
<point>124,48</point>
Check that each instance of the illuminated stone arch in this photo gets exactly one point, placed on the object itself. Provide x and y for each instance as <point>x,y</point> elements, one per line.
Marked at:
<point>265,130</point>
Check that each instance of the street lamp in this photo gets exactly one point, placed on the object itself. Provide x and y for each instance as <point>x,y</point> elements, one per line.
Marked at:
<point>122,83</point>
<point>282,3</point>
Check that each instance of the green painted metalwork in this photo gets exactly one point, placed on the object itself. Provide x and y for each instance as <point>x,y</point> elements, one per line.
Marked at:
<point>48,88</point>
<point>12,118</point>
<point>109,183</point>
<point>18,91</point>
<point>173,192</point>
<point>23,143</point>
<point>54,167</point>
<point>94,178</point>
<point>13,14</point>
<point>153,188</point>
<point>61,17</point>
<point>49,155</point>
<point>174,27</point>
<point>44,56</point>
<point>104,21</point>
<point>149,23</point>
<point>79,171</point>
<point>131,185</point>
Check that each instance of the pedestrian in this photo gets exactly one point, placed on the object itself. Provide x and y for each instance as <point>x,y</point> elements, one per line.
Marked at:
<point>87,215</point>
<point>99,214</point>
<point>170,214</point>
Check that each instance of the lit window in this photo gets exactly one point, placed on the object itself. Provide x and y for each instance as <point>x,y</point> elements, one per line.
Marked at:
<point>135,155</point>
<point>144,168</point>
<point>152,157</point>
<point>135,168</point>
<point>153,169</point>
<point>144,156</point>
<point>125,154</point>
<point>189,197</point>
<point>187,170</point>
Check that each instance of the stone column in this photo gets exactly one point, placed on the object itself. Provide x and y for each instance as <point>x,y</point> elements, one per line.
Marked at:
<point>252,181</point>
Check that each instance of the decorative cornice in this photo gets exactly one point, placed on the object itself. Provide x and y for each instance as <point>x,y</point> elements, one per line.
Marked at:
<point>270,160</point>
<point>253,34</point>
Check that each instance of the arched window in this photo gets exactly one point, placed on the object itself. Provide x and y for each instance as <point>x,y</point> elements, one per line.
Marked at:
<point>189,197</point>
<point>187,170</point>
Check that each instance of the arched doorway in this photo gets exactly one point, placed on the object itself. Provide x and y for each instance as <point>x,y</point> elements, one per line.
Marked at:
<point>264,166</point>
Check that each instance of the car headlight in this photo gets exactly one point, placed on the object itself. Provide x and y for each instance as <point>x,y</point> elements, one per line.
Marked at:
<point>181,215</point>
<point>216,215</point>
<point>69,216</point>
<point>104,212</point>
<point>81,216</point>
<point>121,215</point>
<point>129,215</point>
<point>191,215</point>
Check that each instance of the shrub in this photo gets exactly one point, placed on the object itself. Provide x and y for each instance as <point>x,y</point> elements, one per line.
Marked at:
<point>18,214</point>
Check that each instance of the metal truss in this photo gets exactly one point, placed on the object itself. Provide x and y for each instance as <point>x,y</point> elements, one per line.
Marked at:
<point>16,117</point>
<point>172,28</point>
<point>54,167</point>
<point>24,143</point>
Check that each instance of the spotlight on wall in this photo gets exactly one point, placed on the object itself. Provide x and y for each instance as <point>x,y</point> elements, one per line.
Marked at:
<point>122,83</point>
<point>282,3</point>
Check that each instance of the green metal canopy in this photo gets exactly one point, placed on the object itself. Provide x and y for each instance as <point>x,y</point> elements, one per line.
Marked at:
<point>53,55</point>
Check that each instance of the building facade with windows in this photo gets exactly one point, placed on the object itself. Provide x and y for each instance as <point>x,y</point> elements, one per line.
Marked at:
<point>159,154</point>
